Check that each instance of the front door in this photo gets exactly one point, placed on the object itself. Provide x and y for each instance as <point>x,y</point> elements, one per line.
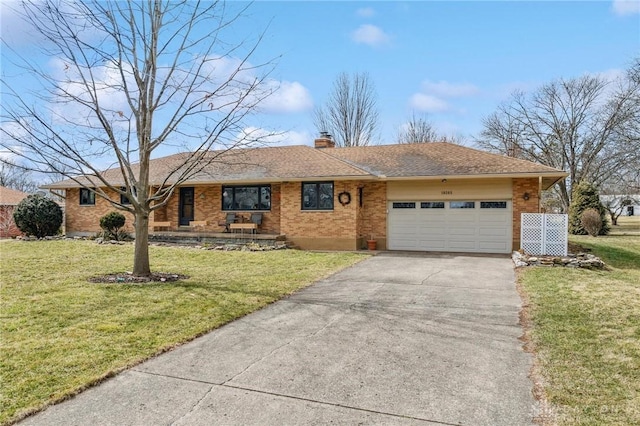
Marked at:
<point>186,205</point>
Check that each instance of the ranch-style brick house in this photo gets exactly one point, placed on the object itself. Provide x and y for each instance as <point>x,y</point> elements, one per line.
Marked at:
<point>425,197</point>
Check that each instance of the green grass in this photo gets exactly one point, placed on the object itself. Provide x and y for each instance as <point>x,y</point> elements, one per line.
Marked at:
<point>60,334</point>
<point>585,330</point>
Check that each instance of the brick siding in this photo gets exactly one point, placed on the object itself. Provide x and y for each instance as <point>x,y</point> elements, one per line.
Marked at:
<point>520,205</point>
<point>345,227</point>
<point>85,219</point>
<point>372,217</point>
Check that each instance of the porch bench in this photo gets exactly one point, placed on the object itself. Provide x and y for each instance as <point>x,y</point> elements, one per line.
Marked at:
<point>155,225</point>
<point>244,225</point>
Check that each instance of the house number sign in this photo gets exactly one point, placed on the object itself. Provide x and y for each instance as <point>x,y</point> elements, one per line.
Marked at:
<point>446,192</point>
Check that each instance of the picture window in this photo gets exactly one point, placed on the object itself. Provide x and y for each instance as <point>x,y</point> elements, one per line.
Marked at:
<point>317,196</point>
<point>242,198</point>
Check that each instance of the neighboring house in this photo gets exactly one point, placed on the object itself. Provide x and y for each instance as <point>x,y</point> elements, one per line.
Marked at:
<point>627,205</point>
<point>9,199</point>
<point>426,197</point>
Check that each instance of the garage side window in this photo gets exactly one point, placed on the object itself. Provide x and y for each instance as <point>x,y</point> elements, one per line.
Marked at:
<point>432,205</point>
<point>317,196</point>
<point>87,197</point>
<point>462,204</point>
<point>493,204</point>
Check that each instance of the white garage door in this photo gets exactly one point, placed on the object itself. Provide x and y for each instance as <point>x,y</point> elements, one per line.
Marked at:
<point>480,226</point>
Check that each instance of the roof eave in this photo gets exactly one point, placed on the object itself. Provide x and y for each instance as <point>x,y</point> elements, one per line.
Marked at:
<point>239,181</point>
<point>549,179</point>
<point>557,175</point>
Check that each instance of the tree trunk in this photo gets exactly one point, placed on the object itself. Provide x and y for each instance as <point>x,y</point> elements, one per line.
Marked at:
<point>141,256</point>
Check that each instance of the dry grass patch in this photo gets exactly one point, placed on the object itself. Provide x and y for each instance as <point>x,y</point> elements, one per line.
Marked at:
<point>586,334</point>
<point>60,333</point>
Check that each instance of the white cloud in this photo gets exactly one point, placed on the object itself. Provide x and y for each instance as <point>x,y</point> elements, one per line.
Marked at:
<point>365,12</point>
<point>449,90</point>
<point>433,95</point>
<point>277,138</point>
<point>626,7</point>
<point>371,35</point>
<point>611,75</point>
<point>18,32</point>
<point>428,103</point>
<point>287,97</point>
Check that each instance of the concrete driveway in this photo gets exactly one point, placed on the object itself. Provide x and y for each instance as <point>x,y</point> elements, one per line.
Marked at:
<point>397,339</point>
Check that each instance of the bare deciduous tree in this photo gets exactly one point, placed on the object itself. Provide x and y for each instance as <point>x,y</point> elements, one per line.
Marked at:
<point>351,113</point>
<point>16,177</point>
<point>133,77</point>
<point>420,130</point>
<point>417,130</point>
<point>585,126</point>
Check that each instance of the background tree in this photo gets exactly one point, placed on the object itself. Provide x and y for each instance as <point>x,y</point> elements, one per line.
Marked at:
<point>419,129</point>
<point>586,126</point>
<point>38,216</point>
<point>15,177</point>
<point>585,197</point>
<point>130,78</point>
<point>350,114</point>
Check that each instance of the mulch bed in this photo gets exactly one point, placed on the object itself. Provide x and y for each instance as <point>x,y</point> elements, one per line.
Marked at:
<point>128,278</point>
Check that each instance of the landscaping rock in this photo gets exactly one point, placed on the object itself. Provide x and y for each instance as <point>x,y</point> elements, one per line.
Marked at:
<point>579,260</point>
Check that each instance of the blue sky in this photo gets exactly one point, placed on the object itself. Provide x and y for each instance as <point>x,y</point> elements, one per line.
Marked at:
<point>453,61</point>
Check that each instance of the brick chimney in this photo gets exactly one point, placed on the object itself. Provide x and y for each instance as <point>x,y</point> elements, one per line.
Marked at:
<point>325,141</point>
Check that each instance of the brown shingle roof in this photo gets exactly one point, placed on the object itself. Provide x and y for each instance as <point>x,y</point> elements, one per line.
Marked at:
<point>276,164</point>
<point>11,197</point>
<point>271,164</point>
<point>435,159</point>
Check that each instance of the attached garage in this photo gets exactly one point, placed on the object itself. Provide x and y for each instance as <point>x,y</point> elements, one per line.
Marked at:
<point>450,215</point>
<point>476,226</point>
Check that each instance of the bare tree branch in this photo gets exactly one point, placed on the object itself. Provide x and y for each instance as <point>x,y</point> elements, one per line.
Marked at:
<point>418,129</point>
<point>131,77</point>
<point>16,177</point>
<point>351,113</point>
<point>585,126</point>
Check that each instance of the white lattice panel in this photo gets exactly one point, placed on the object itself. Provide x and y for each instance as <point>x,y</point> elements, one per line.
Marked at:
<point>544,234</point>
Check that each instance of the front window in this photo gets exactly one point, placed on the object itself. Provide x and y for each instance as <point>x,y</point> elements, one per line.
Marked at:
<point>317,196</point>
<point>124,200</point>
<point>87,197</point>
<point>256,197</point>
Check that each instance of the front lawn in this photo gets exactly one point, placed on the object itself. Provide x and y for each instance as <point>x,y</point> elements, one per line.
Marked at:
<point>60,333</point>
<point>585,330</point>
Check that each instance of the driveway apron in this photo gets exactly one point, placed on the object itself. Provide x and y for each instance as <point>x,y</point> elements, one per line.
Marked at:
<point>399,338</point>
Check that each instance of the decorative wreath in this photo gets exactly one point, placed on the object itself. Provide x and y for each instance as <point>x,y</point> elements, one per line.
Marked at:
<point>344,198</point>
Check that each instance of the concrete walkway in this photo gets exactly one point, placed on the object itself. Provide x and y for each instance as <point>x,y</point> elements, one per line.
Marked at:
<point>397,339</point>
